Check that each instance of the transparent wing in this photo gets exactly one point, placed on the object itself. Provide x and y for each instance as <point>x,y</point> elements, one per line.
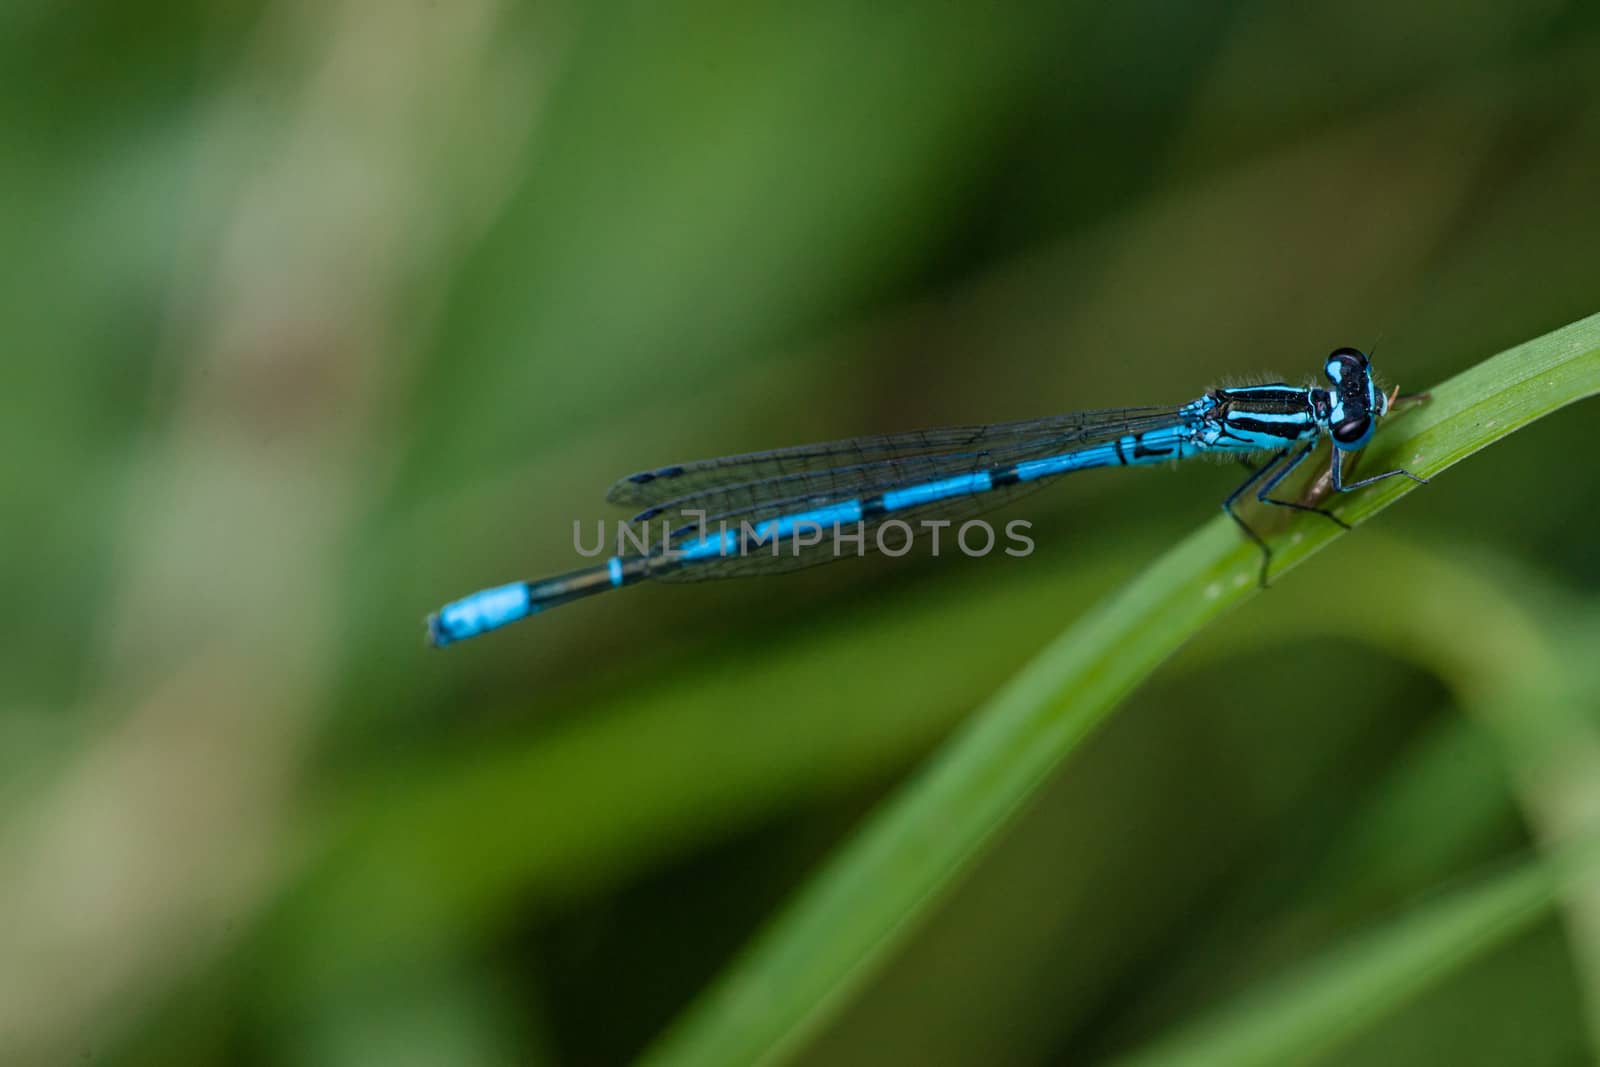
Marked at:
<point>754,488</point>
<point>871,459</point>
<point>840,469</point>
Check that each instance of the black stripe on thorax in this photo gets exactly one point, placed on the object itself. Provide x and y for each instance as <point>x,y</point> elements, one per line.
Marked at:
<point>1266,399</point>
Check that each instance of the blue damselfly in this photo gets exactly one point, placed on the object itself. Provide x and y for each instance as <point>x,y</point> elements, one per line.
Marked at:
<point>753,513</point>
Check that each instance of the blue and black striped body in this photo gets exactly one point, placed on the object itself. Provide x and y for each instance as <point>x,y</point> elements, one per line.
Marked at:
<point>750,509</point>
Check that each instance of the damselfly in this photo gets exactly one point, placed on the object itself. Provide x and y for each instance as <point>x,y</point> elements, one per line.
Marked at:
<point>759,513</point>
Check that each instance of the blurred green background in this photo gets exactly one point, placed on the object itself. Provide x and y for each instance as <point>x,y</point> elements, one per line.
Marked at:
<point>320,315</point>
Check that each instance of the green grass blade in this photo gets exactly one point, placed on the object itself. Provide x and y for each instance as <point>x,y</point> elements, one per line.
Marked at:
<point>879,885</point>
<point>1306,1013</point>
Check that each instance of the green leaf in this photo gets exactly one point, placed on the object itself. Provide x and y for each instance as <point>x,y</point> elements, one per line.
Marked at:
<point>873,893</point>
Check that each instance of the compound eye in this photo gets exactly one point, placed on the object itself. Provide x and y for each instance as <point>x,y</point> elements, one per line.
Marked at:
<point>1344,361</point>
<point>1353,432</point>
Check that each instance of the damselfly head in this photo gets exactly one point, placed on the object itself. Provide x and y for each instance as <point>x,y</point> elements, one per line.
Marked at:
<point>1355,403</point>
